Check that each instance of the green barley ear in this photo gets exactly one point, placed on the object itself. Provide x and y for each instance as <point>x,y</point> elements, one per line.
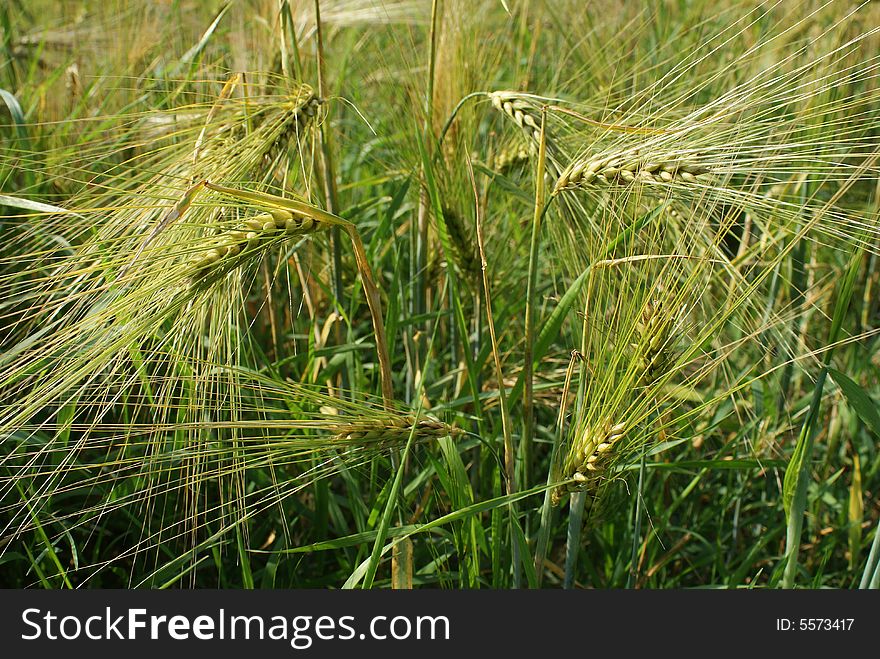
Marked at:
<point>510,157</point>
<point>300,112</point>
<point>627,169</point>
<point>656,338</point>
<point>266,229</point>
<point>287,209</point>
<point>589,457</point>
<point>392,431</point>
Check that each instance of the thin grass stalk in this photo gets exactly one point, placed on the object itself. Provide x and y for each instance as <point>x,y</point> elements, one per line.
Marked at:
<point>374,302</point>
<point>509,457</point>
<point>632,577</point>
<point>224,94</point>
<point>528,373</point>
<point>452,115</point>
<point>420,298</point>
<point>289,27</point>
<point>476,470</point>
<point>577,501</point>
<point>474,373</point>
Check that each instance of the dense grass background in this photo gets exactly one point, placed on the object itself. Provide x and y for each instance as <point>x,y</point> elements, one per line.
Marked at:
<point>161,430</point>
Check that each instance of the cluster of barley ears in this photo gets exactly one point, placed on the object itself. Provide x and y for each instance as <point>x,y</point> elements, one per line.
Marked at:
<point>148,308</point>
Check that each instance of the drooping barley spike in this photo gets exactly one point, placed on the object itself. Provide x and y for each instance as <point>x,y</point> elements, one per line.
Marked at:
<point>238,245</point>
<point>627,169</point>
<point>392,431</point>
<point>526,114</point>
<point>520,110</point>
<point>316,219</point>
<point>589,457</point>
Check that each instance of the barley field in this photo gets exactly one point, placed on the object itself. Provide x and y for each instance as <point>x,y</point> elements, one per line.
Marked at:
<point>439,294</point>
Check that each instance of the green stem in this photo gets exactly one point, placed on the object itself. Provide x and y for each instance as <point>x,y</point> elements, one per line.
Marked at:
<point>799,503</point>
<point>528,369</point>
<point>573,539</point>
<point>637,528</point>
<point>547,508</point>
<point>454,114</point>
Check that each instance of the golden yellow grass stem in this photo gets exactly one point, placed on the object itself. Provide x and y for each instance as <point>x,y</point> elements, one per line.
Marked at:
<point>509,456</point>
<point>375,304</point>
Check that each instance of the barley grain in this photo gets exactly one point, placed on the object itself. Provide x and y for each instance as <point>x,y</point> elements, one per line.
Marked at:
<point>254,233</point>
<point>628,169</point>
<point>392,431</point>
<point>589,457</point>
